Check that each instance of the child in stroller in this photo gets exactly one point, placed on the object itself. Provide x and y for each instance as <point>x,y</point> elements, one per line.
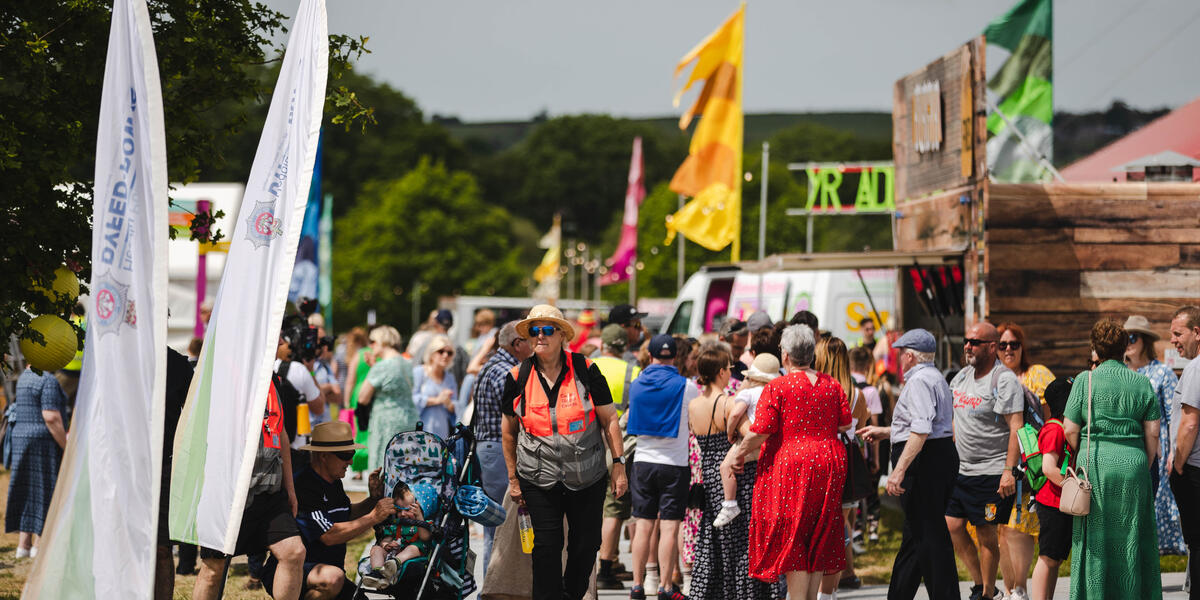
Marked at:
<point>397,543</point>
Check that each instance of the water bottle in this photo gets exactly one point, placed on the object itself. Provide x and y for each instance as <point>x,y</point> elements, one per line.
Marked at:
<point>526,530</point>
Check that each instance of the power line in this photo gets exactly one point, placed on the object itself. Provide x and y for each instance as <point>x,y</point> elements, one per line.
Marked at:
<point>1081,51</point>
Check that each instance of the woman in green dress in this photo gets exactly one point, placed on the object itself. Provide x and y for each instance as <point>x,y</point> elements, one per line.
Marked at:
<point>1114,549</point>
<point>389,387</point>
<point>360,359</point>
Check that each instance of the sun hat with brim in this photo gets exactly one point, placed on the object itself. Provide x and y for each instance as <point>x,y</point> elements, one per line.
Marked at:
<point>334,436</point>
<point>1139,324</point>
<point>545,313</point>
<point>765,368</point>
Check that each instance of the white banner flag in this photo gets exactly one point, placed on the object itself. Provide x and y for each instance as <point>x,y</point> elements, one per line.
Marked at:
<point>220,429</point>
<point>99,540</point>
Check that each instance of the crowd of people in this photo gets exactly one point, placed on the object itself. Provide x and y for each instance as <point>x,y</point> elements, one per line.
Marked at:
<point>743,464</point>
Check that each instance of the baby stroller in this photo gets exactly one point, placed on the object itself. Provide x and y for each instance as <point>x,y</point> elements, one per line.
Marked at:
<point>422,457</point>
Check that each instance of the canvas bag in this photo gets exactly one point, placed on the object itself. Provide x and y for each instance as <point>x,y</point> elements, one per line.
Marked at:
<point>1076,499</point>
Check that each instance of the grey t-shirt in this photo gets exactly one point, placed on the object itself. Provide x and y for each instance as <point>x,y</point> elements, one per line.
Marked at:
<point>980,430</point>
<point>1188,393</point>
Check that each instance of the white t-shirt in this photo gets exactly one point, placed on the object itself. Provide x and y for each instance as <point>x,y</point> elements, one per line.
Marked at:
<point>750,397</point>
<point>304,383</point>
<point>669,450</point>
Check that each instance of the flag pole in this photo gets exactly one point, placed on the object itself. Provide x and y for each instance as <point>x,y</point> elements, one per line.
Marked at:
<point>1042,160</point>
<point>679,275</point>
<point>762,217</point>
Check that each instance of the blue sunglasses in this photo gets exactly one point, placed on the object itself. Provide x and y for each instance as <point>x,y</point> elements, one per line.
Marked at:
<point>546,330</point>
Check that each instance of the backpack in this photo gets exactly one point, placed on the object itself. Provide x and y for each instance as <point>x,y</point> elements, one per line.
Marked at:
<point>1031,456</point>
<point>1032,412</point>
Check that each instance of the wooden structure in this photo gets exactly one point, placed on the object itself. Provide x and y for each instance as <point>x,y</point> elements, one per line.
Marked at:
<point>1053,258</point>
<point>1058,257</point>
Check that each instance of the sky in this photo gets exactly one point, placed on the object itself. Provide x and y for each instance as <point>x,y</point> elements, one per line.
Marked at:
<point>492,60</point>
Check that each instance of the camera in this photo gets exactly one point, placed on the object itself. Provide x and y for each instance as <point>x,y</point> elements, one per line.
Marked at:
<point>300,337</point>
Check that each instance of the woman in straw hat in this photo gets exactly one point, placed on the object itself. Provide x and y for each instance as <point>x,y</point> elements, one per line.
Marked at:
<point>557,412</point>
<point>1141,357</point>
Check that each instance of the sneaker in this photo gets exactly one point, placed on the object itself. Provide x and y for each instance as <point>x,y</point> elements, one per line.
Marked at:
<point>374,580</point>
<point>999,595</point>
<point>22,553</point>
<point>850,583</point>
<point>726,515</point>
<point>671,594</point>
<point>1018,593</point>
<point>390,567</point>
<point>637,593</point>
<point>976,593</point>
<point>858,548</point>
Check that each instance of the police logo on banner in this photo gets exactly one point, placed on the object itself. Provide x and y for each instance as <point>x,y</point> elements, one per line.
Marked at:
<point>262,226</point>
<point>111,305</point>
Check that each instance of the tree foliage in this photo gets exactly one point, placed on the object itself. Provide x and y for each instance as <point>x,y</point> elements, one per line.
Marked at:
<point>429,228</point>
<point>52,56</point>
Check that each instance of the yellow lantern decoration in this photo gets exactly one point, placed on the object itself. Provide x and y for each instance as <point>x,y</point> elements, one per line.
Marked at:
<point>65,283</point>
<point>60,346</point>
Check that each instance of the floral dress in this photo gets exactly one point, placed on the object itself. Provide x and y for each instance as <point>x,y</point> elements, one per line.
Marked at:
<point>1166,512</point>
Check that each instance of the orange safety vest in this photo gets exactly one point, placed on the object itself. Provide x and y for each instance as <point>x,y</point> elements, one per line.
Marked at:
<point>560,443</point>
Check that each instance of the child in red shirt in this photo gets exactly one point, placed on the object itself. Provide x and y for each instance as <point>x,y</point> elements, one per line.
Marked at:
<point>1054,539</point>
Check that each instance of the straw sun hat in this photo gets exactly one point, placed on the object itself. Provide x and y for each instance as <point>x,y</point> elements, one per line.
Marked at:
<point>334,436</point>
<point>1139,324</point>
<point>545,313</point>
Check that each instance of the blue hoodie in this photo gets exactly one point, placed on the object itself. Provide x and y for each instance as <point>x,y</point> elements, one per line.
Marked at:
<point>655,399</point>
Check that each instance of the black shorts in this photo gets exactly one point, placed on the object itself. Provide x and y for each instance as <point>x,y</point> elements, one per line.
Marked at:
<point>660,491</point>
<point>1054,537</point>
<point>267,519</point>
<point>975,499</point>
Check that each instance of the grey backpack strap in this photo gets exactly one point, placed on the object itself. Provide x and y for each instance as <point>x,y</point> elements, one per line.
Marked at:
<point>625,390</point>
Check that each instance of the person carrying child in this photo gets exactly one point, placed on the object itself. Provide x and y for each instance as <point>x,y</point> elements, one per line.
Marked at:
<point>397,543</point>
<point>1054,539</point>
<point>741,416</point>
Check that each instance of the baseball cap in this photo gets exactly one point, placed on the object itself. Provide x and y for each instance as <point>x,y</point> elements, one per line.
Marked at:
<point>622,314</point>
<point>662,346</point>
<point>614,335</point>
<point>445,318</point>
<point>733,326</point>
<point>916,339</point>
<point>758,320</point>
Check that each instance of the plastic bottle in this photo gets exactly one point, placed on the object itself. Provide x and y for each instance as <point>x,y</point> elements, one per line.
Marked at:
<point>526,530</point>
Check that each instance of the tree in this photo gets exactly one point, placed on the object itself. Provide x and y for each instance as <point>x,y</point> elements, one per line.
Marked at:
<point>52,57</point>
<point>577,165</point>
<point>430,228</point>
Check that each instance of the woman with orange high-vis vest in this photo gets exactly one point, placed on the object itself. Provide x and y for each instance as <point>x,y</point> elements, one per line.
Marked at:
<point>558,414</point>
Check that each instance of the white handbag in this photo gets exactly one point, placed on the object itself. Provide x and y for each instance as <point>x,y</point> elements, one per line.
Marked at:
<point>1076,497</point>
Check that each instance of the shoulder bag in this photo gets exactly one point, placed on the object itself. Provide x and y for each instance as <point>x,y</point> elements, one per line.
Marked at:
<point>1076,488</point>
<point>858,474</point>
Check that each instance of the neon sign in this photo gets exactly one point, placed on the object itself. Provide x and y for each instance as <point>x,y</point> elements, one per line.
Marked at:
<point>875,194</point>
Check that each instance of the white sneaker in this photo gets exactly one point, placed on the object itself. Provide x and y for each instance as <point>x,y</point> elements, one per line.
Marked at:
<point>33,552</point>
<point>1018,593</point>
<point>374,580</point>
<point>858,548</point>
<point>726,515</point>
<point>23,553</point>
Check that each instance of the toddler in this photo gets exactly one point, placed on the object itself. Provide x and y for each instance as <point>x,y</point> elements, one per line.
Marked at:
<point>396,544</point>
<point>764,368</point>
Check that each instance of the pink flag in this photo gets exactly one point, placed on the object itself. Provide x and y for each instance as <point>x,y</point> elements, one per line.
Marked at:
<point>621,264</point>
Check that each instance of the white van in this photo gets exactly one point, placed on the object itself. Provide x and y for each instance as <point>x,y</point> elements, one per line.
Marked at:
<point>841,289</point>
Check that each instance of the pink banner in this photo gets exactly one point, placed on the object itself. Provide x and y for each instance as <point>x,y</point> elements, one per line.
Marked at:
<point>621,264</point>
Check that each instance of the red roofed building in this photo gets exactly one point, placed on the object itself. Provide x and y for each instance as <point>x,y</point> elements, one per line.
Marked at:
<point>1177,131</point>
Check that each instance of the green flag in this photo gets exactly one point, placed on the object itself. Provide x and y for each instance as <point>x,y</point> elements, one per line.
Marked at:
<point>1025,90</point>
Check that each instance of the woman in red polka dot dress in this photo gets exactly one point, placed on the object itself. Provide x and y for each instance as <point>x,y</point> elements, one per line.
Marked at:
<point>796,522</point>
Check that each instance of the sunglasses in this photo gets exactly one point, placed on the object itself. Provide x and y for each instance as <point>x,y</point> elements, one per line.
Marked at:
<point>1133,338</point>
<point>546,330</point>
<point>345,455</point>
<point>976,342</point>
<point>1014,345</point>
<point>1094,363</point>
<point>446,351</point>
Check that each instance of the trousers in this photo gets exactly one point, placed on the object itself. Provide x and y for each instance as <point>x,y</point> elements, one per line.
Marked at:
<point>926,552</point>
<point>583,510</point>
<point>1186,488</point>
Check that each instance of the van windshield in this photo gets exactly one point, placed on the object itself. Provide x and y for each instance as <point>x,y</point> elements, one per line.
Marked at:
<point>682,319</point>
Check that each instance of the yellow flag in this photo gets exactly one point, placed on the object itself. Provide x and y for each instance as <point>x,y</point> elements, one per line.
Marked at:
<point>552,242</point>
<point>712,171</point>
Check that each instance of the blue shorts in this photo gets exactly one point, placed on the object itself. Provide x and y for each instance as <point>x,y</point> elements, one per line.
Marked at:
<point>660,491</point>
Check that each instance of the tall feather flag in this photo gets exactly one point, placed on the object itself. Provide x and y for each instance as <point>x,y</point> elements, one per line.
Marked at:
<point>620,265</point>
<point>1024,86</point>
<point>546,274</point>
<point>99,538</point>
<point>221,426</point>
<point>711,174</point>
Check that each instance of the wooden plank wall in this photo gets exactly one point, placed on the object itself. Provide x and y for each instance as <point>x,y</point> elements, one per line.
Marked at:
<point>1061,256</point>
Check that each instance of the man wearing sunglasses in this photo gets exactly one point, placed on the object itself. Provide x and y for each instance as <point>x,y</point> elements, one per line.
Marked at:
<point>988,412</point>
<point>326,518</point>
